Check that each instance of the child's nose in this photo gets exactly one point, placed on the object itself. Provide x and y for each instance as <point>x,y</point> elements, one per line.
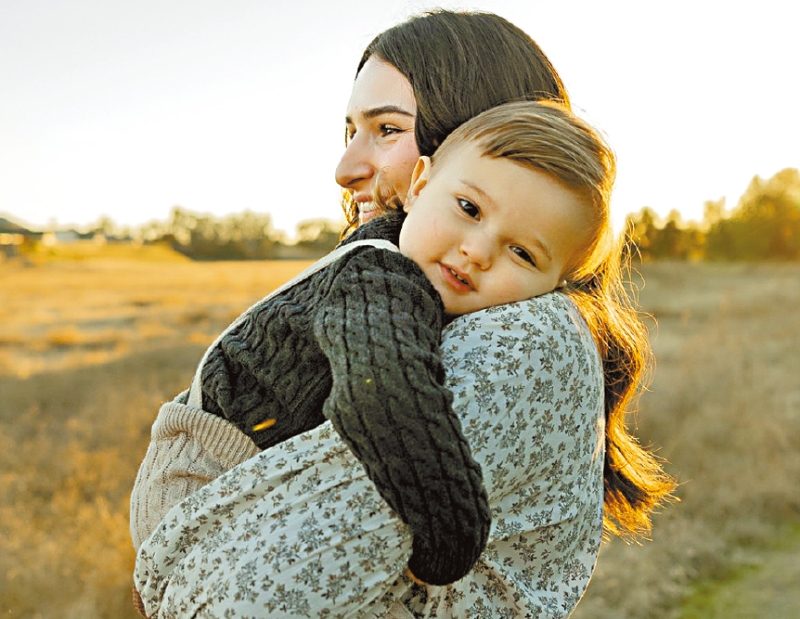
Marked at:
<point>478,250</point>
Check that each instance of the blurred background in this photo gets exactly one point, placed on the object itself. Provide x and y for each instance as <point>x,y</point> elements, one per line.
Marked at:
<point>124,111</point>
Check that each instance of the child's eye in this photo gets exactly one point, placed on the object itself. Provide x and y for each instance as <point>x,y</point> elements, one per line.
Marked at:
<point>469,208</point>
<point>524,255</point>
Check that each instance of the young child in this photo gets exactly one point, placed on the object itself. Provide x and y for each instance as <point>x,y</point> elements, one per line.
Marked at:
<point>509,207</point>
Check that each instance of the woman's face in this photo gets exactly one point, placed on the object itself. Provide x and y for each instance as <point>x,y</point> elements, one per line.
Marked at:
<point>381,146</point>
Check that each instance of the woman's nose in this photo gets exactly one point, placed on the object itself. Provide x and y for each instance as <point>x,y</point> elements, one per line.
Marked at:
<point>355,165</point>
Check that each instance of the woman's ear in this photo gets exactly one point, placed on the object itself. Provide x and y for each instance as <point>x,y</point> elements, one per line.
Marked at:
<point>419,178</point>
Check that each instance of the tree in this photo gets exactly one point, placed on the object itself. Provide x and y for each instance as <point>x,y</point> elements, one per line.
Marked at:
<point>241,236</point>
<point>671,239</point>
<point>765,225</point>
<point>713,212</point>
<point>319,236</point>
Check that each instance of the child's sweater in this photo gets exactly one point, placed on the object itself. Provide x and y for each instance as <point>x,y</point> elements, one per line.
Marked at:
<point>358,343</point>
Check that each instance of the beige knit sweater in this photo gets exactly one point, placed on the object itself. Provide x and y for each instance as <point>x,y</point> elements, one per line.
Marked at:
<point>188,448</point>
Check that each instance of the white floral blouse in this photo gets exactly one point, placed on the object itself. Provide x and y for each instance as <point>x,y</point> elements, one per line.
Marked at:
<point>299,530</point>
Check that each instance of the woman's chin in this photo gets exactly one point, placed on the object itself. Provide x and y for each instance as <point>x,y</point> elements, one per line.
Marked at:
<point>365,216</point>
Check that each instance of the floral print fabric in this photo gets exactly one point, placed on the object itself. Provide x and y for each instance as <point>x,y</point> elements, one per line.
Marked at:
<point>300,531</point>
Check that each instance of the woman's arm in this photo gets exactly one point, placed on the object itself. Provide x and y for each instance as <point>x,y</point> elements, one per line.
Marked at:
<point>294,530</point>
<point>300,528</point>
<point>380,330</point>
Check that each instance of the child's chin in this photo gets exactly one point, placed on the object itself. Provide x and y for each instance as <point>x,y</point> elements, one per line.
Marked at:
<point>451,313</point>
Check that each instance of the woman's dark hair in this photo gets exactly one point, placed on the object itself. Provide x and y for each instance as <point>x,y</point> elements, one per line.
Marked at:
<point>461,64</point>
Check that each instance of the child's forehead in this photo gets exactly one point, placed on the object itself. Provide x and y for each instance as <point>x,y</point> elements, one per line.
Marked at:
<point>467,164</point>
<point>453,152</point>
<point>463,154</point>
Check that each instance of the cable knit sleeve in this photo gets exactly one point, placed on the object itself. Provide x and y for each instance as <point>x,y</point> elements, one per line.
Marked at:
<point>380,329</point>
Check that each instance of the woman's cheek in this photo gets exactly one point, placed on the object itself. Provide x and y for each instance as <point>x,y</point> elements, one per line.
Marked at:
<point>401,163</point>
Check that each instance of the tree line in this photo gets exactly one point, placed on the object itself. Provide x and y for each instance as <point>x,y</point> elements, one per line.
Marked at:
<point>764,225</point>
<point>240,236</point>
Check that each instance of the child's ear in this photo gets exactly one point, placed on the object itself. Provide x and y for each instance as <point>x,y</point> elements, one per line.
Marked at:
<point>419,178</point>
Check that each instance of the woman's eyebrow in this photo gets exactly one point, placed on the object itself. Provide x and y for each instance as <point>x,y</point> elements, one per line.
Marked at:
<point>381,110</point>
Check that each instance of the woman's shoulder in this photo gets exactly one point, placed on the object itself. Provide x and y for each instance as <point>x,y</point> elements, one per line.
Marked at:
<point>537,352</point>
<point>553,317</point>
<point>529,374</point>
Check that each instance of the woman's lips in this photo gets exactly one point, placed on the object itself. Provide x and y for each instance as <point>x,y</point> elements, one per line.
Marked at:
<point>367,211</point>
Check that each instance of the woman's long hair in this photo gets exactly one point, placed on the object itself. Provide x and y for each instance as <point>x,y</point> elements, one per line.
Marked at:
<point>460,64</point>
<point>634,480</point>
<point>546,136</point>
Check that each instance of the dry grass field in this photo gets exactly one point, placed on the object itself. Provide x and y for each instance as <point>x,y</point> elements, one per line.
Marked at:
<point>90,347</point>
<point>724,407</point>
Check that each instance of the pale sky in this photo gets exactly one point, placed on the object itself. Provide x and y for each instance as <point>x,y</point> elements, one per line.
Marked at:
<point>126,109</point>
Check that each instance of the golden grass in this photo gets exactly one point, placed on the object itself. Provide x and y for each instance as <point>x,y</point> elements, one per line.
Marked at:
<point>725,408</point>
<point>88,351</point>
<point>90,250</point>
<point>70,442</point>
<point>90,348</point>
<point>62,314</point>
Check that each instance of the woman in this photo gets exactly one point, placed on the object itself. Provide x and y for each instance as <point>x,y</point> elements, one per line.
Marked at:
<point>457,65</point>
<point>299,531</point>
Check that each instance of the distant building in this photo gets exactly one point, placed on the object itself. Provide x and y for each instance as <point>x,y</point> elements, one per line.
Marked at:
<point>60,237</point>
<point>12,236</point>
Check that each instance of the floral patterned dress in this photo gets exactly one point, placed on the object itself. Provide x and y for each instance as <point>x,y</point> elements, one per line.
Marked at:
<point>300,531</point>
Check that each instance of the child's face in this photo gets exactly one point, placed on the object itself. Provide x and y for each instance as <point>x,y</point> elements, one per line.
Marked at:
<point>489,231</point>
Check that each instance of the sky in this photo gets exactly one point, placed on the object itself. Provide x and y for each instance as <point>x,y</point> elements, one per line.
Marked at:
<point>127,109</point>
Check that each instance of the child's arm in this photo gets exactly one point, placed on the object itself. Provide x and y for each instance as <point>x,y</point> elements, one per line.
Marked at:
<point>381,331</point>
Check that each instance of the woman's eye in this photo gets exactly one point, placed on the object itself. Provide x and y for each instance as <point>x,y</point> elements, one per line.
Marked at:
<point>390,130</point>
<point>469,208</point>
<point>524,255</point>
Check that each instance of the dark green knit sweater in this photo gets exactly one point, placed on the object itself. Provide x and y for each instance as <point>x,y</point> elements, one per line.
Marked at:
<point>358,343</point>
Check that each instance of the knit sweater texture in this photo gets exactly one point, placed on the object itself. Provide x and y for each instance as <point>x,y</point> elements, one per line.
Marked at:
<point>357,343</point>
